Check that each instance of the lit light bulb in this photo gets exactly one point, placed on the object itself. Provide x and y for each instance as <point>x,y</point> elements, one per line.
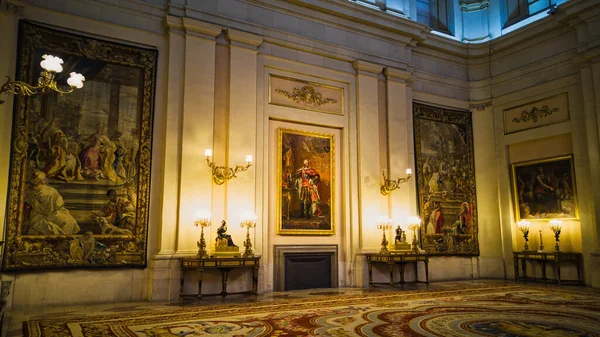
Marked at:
<point>208,152</point>
<point>76,80</point>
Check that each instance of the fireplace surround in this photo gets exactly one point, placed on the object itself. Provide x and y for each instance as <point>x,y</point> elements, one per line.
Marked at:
<point>305,267</point>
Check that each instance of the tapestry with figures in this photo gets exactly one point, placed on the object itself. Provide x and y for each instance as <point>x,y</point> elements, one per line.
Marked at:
<point>445,180</point>
<point>80,161</point>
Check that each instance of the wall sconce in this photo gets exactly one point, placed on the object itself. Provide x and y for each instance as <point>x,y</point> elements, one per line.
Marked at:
<point>390,185</point>
<point>414,225</point>
<point>384,224</point>
<point>52,66</point>
<point>202,220</point>
<point>248,221</point>
<point>524,228</point>
<point>556,227</point>
<point>221,174</point>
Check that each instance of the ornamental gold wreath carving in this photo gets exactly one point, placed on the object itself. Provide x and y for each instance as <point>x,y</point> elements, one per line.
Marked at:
<point>306,95</point>
<point>535,114</point>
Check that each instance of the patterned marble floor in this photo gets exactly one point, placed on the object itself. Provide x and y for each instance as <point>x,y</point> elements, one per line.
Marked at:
<point>14,319</point>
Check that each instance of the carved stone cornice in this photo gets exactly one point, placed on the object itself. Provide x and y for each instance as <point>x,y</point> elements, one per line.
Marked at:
<point>480,106</point>
<point>244,39</point>
<point>199,27</point>
<point>367,68</point>
<point>398,75</point>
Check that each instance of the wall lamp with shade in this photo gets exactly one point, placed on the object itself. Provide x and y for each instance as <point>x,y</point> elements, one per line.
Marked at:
<point>221,174</point>
<point>389,185</point>
<point>52,65</point>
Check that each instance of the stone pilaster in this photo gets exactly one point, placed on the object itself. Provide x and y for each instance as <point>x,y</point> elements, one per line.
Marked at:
<point>400,154</point>
<point>369,171</point>
<point>242,126</point>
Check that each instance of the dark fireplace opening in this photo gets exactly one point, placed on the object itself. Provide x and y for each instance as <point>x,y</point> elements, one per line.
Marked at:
<point>307,271</point>
<point>305,267</point>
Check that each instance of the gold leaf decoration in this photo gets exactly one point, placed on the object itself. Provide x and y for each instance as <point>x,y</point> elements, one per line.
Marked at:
<point>535,114</point>
<point>307,95</point>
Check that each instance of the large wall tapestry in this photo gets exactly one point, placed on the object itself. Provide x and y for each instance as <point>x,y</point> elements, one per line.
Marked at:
<point>305,183</point>
<point>446,180</point>
<point>80,163</point>
<point>544,189</point>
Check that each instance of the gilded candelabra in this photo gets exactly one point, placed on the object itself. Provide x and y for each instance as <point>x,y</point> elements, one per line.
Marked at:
<point>389,185</point>
<point>202,221</point>
<point>415,225</point>
<point>221,174</point>
<point>384,225</point>
<point>524,228</point>
<point>248,222</point>
<point>51,65</point>
<point>556,227</point>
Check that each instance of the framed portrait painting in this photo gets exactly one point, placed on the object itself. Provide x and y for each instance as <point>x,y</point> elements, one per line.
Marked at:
<point>80,162</point>
<point>544,189</point>
<point>305,183</point>
<point>446,180</point>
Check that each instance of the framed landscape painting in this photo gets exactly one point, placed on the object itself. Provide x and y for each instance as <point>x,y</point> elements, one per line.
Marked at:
<point>544,189</point>
<point>80,162</point>
<point>446,180</point>
<point>305,183</point>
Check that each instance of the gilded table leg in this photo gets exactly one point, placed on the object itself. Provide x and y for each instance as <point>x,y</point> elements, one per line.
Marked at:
<point>426,271</point>
<point>557,268</point>
<point>543,271</point>
<point>402,265</point>
<point>516,268</point>
<point>224,273</point>
<point>392,274</point>
<point>201,270</point>
<point>181,284</point>
<point>255,281</point>
<point>370,274</point>
<point>417,271</point>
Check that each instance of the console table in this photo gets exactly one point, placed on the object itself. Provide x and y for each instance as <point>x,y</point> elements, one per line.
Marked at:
<point>401,260</point>
<point>224,265</point>
<point>557,258</point>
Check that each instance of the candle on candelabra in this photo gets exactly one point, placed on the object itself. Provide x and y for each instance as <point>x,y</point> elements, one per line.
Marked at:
<point>541,248</point>
<point>248,220</point>
<point>384,224</point>
<point>556,227</point>
<point>524,228</point>
<point>414,225</point>
<point>202,219</point>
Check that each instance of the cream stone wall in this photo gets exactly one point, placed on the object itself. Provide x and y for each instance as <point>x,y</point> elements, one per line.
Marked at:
<point>215,58</point>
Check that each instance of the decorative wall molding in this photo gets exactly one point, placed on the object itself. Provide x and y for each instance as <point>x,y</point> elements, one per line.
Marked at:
<point>480,106</point>
<point>547,111</point>
<point>305,95</point>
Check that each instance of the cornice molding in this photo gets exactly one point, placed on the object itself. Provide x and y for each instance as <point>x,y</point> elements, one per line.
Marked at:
<point>480,106</point>
<point>244,38</point>
<point>367,67</point>
<point>398,75</point>
<point>196,26</point>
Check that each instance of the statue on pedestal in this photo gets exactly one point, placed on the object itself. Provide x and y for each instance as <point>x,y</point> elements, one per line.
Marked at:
<point>223,243</point>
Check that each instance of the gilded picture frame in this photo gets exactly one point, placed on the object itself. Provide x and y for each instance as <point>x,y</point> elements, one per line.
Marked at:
<point>305,183</point>
<point>445,170</point>
<point>80,162</point>
<point>544,189</point>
